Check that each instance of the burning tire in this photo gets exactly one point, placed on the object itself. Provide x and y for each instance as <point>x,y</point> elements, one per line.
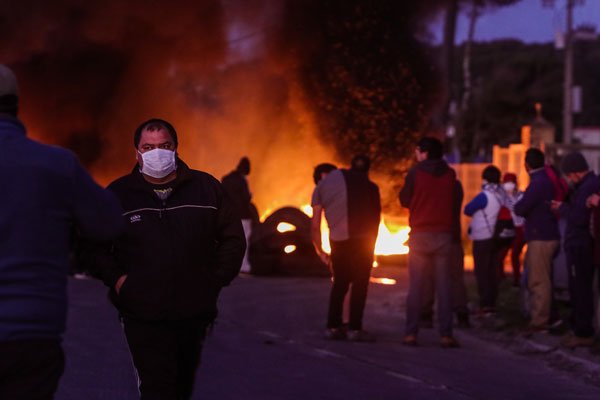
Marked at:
<point>282,245</point>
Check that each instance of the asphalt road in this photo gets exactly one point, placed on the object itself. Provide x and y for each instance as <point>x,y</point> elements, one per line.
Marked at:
<point>267,345</point>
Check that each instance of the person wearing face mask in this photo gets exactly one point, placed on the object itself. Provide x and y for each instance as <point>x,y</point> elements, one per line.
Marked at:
<point>513,195</point>
<point>484,210</point>
<point>183,242</point>
<point>579,247</point>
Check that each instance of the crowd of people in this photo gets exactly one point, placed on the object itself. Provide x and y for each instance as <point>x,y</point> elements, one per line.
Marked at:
<point>166,239</point>
<point>503,219</point>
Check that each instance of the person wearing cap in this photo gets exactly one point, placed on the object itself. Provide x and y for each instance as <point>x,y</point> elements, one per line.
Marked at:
<point>352,208</point>
<point>513,195</point>
<point>542,235</point>
<point>433,197</point>
<point>578,246</point>
<point>47,196</point>
<point>182,244</point>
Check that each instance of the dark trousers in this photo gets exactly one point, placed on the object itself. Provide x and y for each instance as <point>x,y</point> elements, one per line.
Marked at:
<point>351,262</point>
<point>166,355</point>
<point>581,279</point>
<point>485,257</point>
<point>30,369</point>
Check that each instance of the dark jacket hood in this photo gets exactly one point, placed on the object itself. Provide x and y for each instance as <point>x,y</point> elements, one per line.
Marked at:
<point>434,167</point>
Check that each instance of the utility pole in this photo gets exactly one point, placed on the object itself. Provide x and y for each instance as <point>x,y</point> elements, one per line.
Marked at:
<point>568,77</point>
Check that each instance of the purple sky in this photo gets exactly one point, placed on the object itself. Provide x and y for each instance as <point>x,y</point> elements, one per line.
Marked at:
<point>528,21</point>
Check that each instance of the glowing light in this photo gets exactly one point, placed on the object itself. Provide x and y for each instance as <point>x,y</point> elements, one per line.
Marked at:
<point>306,209</point>
<point>285,227</point>
<point>383,281</point>
<point>289,249</point>
<point>391,239</point>
<point>375,264</point>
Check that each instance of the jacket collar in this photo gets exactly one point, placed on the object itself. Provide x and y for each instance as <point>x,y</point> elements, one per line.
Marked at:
<point>11,125</point>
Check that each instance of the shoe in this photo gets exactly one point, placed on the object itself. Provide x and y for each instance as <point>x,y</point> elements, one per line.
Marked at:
<point>409,340</point>
<point>335,334</point>
<point>360,336</point>
<point>448,342</point>
<point>533,329</point>
<point>571,341</point>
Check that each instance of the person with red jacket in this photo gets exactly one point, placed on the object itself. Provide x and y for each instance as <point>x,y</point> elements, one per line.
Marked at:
<point>431,193</point>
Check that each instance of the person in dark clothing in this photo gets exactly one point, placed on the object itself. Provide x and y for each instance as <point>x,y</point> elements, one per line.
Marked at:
<point>432,194</point>
<point>235,185</point>
<point>578,245</point>
<point>47,195</point>
<point>183,242</point>
<point>542,235</point>
<point>352,208</point>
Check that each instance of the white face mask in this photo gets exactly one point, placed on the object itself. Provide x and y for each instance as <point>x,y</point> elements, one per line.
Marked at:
<point>509,186</point>
<point>158,163</point>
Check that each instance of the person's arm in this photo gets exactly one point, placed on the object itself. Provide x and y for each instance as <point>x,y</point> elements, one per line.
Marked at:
<point>315,232</point>
<point>530,199</point>
<point>478,203</point>
<point>231,242</point>
<point>406,192</point>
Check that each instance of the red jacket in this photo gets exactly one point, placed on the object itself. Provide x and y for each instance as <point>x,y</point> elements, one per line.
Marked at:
<point>433,196</point>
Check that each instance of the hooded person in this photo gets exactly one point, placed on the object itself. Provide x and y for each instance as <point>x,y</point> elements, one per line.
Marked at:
<point>433,196</point>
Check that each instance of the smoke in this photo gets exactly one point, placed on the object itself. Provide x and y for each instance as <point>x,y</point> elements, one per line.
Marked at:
<point>290,84</point>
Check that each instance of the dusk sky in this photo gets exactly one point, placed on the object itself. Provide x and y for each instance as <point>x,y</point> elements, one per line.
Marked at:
<point>528,21</point>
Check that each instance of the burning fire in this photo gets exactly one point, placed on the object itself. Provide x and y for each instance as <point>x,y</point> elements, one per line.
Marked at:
<point>391,238</point>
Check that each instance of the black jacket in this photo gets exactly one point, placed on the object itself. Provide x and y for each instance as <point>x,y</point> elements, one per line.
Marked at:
<point>177,253</point>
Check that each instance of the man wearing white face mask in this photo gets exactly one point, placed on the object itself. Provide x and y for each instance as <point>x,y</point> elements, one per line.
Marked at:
<point>182,244</point>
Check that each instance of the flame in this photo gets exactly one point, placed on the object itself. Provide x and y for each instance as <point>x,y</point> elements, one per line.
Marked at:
<point>391,239</point>
<point>289,249</point>
<point>285,227</point>
<point>383,281</point>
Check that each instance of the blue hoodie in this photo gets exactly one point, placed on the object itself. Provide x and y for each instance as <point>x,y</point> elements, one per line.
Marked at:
<point>46,196</point>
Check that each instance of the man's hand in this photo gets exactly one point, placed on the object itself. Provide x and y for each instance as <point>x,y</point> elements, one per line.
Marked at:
<point>119,283</point>
<point>325,258</point>
<point>593,201</point>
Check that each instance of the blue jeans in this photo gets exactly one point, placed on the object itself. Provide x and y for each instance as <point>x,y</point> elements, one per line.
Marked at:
<point>427,259</point>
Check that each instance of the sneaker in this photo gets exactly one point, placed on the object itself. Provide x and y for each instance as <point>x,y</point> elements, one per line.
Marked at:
<point>448,342</point>
<point>360,336</point>
<point>409,340</point>
<point>571,341</point>
<point>335,334</point>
